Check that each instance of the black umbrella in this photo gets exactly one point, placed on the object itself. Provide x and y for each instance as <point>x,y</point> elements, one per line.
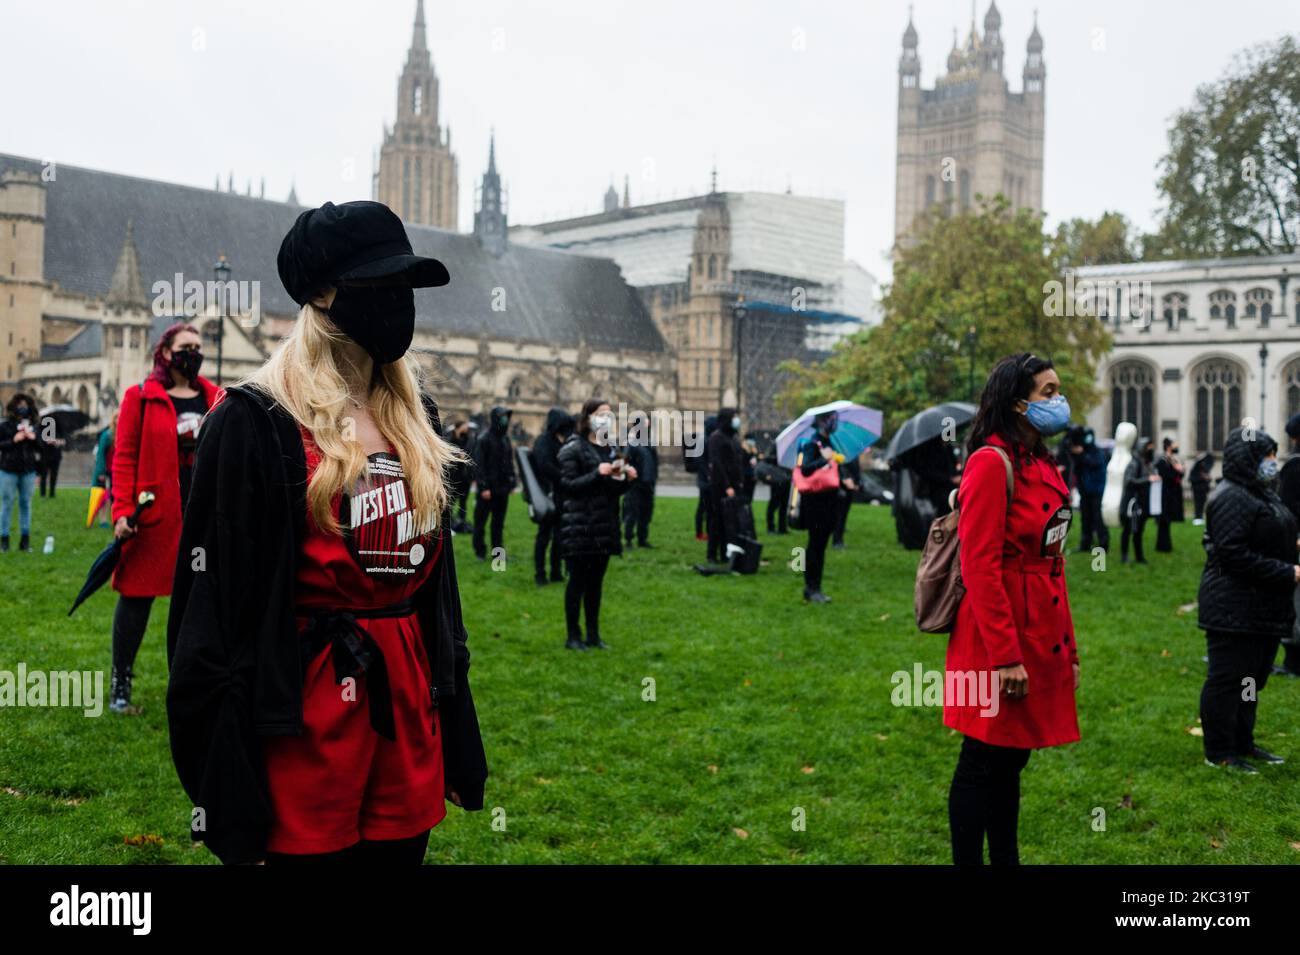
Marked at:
<point>928,425</point>
<point>67,419</point>
<point>102,568</point>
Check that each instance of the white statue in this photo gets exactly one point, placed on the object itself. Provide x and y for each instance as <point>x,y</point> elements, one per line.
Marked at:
<point>1125,436</point>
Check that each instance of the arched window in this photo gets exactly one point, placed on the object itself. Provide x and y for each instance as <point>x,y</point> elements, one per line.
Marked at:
<point>1132,396</point>
<point>417,99</point>
<point>83,399</point>
<point>1259,304</point>
<point>211,329</point>
<point>1217,385</point>
<point>1291,389</point>
<point>1175,310</point>
<point>56,396</point>
<point>514,388</point>
<point>713,266</point>
<point>1223,304</point>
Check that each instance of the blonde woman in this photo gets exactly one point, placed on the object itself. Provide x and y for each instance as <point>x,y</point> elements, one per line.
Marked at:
<point>319,702</point>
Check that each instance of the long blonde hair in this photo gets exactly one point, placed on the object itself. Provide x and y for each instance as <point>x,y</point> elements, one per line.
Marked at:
<point>304,377</point>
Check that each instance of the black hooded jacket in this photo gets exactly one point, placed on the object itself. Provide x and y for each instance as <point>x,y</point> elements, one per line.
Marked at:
<point>546,449</point>
<point>1250,547</point>
<point>494,463</point>
<point>18,457</point>
<point>725,456</point>
<point>232,638</point>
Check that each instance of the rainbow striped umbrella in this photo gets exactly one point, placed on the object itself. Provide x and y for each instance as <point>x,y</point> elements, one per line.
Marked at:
<point>857,429</point>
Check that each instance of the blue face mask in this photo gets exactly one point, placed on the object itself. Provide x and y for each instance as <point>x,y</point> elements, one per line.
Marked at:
<point>1267,471</point>
<point>1050,415</point>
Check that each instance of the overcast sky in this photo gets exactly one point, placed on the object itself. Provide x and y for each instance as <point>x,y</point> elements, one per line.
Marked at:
<point>582,92</point>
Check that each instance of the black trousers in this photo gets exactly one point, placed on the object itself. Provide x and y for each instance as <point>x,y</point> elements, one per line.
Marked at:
<point>548,535</point>
<point>1164,539</point>
<point>1133,527</point>
<point>717,534</point>
<point>1199,494</point>
<point>985,800</point>
<point>638,509</point>
<point>820,513</point>
<point>1227,719</point>
<point>495,509</point>
<point>702,512</point>
<point>130,620</point>
<point>776,506</point>
<point>366,852</point>
<point>1095,530</point>
<point>49,477</point>
<point>586,580</point>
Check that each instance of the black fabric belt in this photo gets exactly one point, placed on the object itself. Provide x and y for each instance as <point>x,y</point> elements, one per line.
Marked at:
<point>355,653</point>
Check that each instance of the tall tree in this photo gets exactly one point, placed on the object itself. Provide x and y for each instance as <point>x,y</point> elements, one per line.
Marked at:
<point>1231,179</point>
<point>1104,241</point>
<point>971,289</point>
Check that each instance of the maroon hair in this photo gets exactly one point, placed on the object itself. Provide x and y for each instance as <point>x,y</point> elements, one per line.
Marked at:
<point>161,367</point>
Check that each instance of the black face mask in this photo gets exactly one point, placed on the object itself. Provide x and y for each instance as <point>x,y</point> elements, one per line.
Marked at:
<point>1148,453</point>
<point>187,363</point>
<point>379,319</point>
<point>22,411</point>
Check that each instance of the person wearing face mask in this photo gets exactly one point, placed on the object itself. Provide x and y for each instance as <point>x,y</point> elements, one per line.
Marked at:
<point>18,460</point>
<point>546,467</point>
<point>158,429</point>
<point>1089,464</point>
<point>494,471</point>
<point>1170,470</point>
<point>461,436</point>
<point>726,480</point>
<point>592,478</point>
<point>319,701</point>
<point>1245,603</point>
<point>819,509</point>
<point>1288,489</point>
<point>1135,505</point>
<point>1014,634</point>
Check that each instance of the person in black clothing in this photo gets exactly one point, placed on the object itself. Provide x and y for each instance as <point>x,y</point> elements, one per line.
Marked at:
<point>703,504</point>
<point>1088,464</point>
<point>639,504</point>
<point>725,478</point>
<point>851,473</point>
<point>1134,506</point>
<point>546,467</point>
<point>592,478</point>
<point>1289,492</point>
<point>1170,469</point>
<point>1246,596</point>
<point>494,470</point>
<point>778,478</point>
<point>461,474</point>
<point>51,457</point>
<point>820,510</point>
<point>1200,479</point>
<point>18,464</point>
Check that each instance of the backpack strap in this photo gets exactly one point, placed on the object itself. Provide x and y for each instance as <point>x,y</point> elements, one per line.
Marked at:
<point>1006,462</point>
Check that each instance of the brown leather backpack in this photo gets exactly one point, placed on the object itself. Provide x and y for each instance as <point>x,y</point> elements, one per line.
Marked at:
<point>939,589</point>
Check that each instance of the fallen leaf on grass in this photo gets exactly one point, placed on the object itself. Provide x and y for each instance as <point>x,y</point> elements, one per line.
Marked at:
<point>1216,844</point>
<point>1295,846</point>
<point>1186,609</point>
<point>18,793</point>
<point>147,839</point>
<point>884,617</point>
<point>809,770</point>
<point>1195,731</point>
<point>882,736</point>
<point>741,832</point>
<point>1166,654</point>
<point>1126,801</point>
<point>713,769</point>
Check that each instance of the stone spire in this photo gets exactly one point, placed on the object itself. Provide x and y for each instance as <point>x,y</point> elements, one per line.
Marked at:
<point>126,290</point>
<point>611,198</point>
<point>627,195</point>
<point>490,219</point>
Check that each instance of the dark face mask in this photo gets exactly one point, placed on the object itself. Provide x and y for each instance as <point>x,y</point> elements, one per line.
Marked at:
<point>379,319</point>
<point>1148,453</point>
<point>187,363</point>
<point>22,411</point>
<point>500,423</point>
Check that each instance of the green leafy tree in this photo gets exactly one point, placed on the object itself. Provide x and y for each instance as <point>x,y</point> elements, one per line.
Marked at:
<point>1104,241</point>
<point>1230,182</point>
<point>975,286</point>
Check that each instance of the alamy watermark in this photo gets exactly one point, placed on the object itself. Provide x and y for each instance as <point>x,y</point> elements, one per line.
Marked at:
<point>76,688</point>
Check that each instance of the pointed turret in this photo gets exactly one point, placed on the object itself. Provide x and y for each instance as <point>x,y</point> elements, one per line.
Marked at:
<point>126,290</point>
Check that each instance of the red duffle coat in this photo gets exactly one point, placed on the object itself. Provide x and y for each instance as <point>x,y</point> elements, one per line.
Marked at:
<point>1016,608</point>
<point>146,457</point>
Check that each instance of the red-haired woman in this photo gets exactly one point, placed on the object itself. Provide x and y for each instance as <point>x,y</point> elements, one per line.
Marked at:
<point>158,427</point>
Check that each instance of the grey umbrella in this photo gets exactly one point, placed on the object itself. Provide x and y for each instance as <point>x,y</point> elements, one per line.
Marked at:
<point>929,424</point>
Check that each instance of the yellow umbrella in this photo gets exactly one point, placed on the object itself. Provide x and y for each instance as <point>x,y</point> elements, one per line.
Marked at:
<point>96,499</point>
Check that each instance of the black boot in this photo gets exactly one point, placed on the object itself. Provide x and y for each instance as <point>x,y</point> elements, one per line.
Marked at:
<point>25,544</point>
<point>4,544</point>
<point>595,643</point>
<point>120,691</point>
<point>574,642</point>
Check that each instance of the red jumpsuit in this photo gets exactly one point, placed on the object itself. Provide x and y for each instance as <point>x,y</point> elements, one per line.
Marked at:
<point>343,780</point>
<point>1016,608</point>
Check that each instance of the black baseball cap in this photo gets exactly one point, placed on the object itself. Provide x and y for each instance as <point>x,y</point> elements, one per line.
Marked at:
<point>352,243</point>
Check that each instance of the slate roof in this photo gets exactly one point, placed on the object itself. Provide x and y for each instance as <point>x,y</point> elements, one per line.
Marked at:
<point>550,296</point>
<point>87,343</point>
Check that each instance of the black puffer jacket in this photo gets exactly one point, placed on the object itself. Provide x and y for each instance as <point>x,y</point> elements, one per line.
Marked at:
<point>1250,546</point>
<point>589,519</point>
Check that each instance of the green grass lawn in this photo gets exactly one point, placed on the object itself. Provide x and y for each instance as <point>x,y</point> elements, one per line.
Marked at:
<point>765,710</point>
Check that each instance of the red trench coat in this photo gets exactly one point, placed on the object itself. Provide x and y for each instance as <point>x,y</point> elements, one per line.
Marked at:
<point>146,457</point>
<point>1016,609</point>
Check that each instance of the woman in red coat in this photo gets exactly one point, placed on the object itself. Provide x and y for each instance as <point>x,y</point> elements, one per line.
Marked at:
<point>1012,667</point>
<point>158,428</point>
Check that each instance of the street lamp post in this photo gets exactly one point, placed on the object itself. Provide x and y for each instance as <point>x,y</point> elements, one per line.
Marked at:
<point>738,312</point>
<point>972,337</point>
<point>222,271</point>
<point>1263,381</point>
<point>558,366</point>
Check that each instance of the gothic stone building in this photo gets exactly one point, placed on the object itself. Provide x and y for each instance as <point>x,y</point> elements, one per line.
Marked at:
<point>969,135</point>
<point>1199,346</point>
<point>81,251</point>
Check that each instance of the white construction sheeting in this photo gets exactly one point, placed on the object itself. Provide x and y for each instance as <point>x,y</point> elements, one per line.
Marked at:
<point>787,235</point>
<point>650,249</point>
